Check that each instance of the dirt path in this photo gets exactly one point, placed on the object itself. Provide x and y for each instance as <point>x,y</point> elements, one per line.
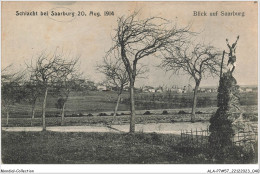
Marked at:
<point>163,128</point>
<point>60,129</point>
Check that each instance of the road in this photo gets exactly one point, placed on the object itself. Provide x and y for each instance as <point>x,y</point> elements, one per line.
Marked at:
<point>162,128</point>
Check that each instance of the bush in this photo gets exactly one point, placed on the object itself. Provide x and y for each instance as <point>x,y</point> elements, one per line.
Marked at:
<point>89,115</point>
<point>59,103</point>
<point>182,112</point>
<point>165,112</point>
<point>80,115</point>
<point>113,114</point>
<point>198,112</point>
<point>102,114</point>
<point>147,113</point>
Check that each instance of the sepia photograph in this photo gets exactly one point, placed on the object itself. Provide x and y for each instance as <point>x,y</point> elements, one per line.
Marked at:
<point>141,82</point>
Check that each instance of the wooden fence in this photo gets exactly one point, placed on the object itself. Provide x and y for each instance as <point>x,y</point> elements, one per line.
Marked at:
<point>242,137</point>
<point>199,138</point>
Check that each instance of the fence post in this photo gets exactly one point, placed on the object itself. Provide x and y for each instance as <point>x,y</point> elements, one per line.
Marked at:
<point>201,137</point>
<point>233,140</point>
<point>238,138</point>
<point>206,138</point>
<point>181,137</point>
<point>188,136</point>
<point>197,138</point>
<point>191,136</point>
<point>244,138</point>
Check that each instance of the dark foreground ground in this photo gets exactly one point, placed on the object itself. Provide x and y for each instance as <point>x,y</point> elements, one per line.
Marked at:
<point>99,148</point>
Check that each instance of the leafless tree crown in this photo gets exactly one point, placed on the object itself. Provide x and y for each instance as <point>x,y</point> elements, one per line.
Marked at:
<point>52,68</point>
<point>195,60</point>
<point>137,39</point>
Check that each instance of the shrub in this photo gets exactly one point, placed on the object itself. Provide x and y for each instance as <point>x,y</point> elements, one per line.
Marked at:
<point>165,112</point>
<point>198,112</point>
<point>147,113</point>
<point>113,114</point>
<point>182,112</point>
<point>102,114</point>
<point>80,114</point>
<point>59,103</point>
<point>89,115</point>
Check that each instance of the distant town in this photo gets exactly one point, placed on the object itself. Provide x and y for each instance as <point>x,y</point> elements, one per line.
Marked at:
<point>175,89</point>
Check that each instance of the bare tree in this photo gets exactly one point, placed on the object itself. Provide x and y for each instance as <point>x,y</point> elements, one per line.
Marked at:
<point>48,70</point>
<point>67,82</point>
<point>117,76</point>
<point>136,39</point>
<point>197,61</point>
<point>32,91</point>
<point>11,89</point>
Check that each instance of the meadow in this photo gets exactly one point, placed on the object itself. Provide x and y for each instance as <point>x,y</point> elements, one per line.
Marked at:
<point>95,102</point>
<point>95,108</point>
<point>105,148</point>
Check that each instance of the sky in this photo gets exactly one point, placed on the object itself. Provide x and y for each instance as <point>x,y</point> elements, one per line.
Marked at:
<point>25,37</point>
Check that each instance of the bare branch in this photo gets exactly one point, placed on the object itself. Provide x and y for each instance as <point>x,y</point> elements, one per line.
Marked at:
<point>198,61</point>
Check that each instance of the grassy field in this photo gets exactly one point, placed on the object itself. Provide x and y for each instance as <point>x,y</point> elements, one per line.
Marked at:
<point>104,101</point>
<point>111,148</point>
<point>155,116</point>
<point>103,120</point>
<point>101,148</point>
<point>85,108</point>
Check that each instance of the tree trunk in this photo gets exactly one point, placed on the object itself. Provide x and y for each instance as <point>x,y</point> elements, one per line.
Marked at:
<point>62,114</point>
<point>33,113</point>
<point>7,117</point>
<point>117,103</point>
<point>221,67</point>
<point>43,110</point>
<point>132,107</point>
<point>194,101</point>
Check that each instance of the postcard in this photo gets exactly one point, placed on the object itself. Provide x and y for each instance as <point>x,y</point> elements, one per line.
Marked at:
<point>127,83</point>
